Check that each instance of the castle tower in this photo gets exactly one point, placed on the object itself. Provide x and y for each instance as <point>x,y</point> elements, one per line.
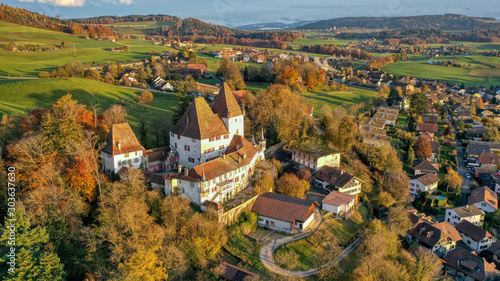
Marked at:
<point>226,106</point>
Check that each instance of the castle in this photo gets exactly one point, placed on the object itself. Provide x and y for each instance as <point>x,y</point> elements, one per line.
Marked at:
<point>208,160</point>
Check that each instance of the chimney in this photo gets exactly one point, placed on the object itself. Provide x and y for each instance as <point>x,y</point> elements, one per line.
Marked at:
<point>244,156</point>
<point>239,159</point>
<point>179,169</point>
<point>118,144</point>
<point>186,171</point>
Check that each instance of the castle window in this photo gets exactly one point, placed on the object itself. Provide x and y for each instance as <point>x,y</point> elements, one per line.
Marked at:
<point>178,137</point>
<point>191,160</point>
<point>172,134</point>
<point>226,136</point>
<point>187,148</point>
<point>175,145</point>
<point>218,137</point>
<point>221,147</point>
<point>127,155</point>
<point>193,140</point>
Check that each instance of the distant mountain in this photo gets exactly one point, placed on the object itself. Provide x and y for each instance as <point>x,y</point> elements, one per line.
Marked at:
<point>443,22</point>
<point>273,25</point>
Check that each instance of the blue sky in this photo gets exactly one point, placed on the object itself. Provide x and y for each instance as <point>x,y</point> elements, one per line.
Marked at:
<point>238,12</point>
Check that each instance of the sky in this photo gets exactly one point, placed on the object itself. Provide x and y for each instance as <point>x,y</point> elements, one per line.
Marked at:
<point>238,12</point>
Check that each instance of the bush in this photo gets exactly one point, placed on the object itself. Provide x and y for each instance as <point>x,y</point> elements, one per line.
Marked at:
<point>146,96</point>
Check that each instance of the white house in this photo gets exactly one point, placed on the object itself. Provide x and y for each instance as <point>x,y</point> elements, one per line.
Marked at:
<point>284,213</point>
<point>121,149</point>
<point>333,178</point>
<point>437,239</point>
<point>338,203</point>
<point>470,213</point>
<point>475,237</point>
<point>315,155</point>
<point>423,183</point>
<point>484,198</point>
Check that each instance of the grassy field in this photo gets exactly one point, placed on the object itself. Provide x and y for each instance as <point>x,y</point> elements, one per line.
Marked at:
<point>138,28</point>
<point>32,63</point>
<point>476,70</point>
<point>334,99</point>
<point>304,251</point>
<point>20,97</point>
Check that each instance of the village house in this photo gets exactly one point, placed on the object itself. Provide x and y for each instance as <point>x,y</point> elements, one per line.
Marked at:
<point>416,218</point>
<point>371,122</point>
<point>461,111</point>
<point>470,213</point>
<point>484,199</point>
<point>437,239</point>
<point>405,87</point>
<point>389,119</point>
<point>423,183</point>
<point>315,155</point>
<point>121,149</point>
<point>339,203</point>
<point>427,127</point>
<point>425,166</point>
<point>430,118</point>
<point>196,70</point>
<point>489,160</point>
<point>468,266</point>
<point>333,178</point>
<point>475,237</point>
<point>284,213</point>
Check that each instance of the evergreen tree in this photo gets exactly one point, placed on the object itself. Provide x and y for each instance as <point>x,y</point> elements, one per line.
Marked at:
<point>34,260</point>
<point>143,134</point>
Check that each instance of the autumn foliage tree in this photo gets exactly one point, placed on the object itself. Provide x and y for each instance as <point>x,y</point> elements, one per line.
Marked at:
<point>423,148</point>
<point>292,185</point>
<point>453,179</point>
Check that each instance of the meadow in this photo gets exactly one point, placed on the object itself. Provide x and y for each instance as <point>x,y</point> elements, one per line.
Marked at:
<point>22,96</point>
<point>32,63</point>
<point>138,28</point>
<point>475,70</point>
<point>335,99</point>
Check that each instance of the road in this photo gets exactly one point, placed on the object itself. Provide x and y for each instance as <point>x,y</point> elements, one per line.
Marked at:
<point>463,171</point>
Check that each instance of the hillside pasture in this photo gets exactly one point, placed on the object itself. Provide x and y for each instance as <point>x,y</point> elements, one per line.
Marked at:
<point>19,97</point>
<point>32,63</point>
<point>475,70</point>
<point>335,99</point>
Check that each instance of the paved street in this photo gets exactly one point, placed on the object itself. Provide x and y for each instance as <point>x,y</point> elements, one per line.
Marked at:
<point>462,170</point>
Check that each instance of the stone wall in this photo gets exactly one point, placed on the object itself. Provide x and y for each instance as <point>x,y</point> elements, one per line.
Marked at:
<point>232,215</point>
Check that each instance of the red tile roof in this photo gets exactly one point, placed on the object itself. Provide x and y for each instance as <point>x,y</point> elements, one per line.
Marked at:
<point>225,103</point>
<point>196,66</point>
<point>427,127</point>
<point>426,165</point>
<point>239,95</point>
<point>483,194</point>
<point>284,208</point>
<point>121,139</point>
<point>336,198</point>
<point>199,122</point>
<point>489,158</point>
<point>448,231</point>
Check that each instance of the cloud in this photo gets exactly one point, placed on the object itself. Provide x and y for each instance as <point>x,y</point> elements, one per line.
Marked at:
<point>126,2</point>
<point>59,3</point>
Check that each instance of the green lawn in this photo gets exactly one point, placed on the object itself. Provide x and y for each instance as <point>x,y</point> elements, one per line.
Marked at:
<point>20,97</point>
<point>476,70</point>
<point>334,99</point>
<point>32,63</point>
<point>403,122</point>
<point>308,253</point>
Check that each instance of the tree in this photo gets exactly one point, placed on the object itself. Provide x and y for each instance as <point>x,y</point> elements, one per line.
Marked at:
<point>394,96</point>
<point>419,103</point>
<point>492,135</point>
<point>35,260</point>
<point>280,111</point>
<point>291,185</point>
<point>423,148</point>
<point>143,133</point>
<point>410,156</point>
<point>288,76</point>
<point>453,179</point>
<point>116,114</point>
<point>146,96</point>
<point>184,101</point>
<point>396,184</point>
<point>265,184</point>
<point>234,78</point>
<point>399,220</point>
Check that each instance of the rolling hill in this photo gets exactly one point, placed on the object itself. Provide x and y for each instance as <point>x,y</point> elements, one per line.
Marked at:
<point>443,22</point>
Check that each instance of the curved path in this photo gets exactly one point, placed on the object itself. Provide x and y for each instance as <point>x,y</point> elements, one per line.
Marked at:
<point>266,256</point>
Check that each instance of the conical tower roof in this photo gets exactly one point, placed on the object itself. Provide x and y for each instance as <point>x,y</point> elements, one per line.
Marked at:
<point>225,103</point>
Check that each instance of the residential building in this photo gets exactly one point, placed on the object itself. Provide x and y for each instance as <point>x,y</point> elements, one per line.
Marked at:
<point>284,213</point>
<point>315,155</point>
<point>389,119</point>
<point>339,203</point>
<point>470,213</point>
<point>461,111</point>
<point>464,265</point>
<point>416,218</point>
<point>475,149</point>
<point>121,149</point>
<point>427,127</point>
<point>233,273</point>
<point>425,166</point>
<point>423,183</point>
<point>475,237</point>
<point>437,239</point>
<point>489,160</point>
<point>332,178</point>
<point>484,199</point>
